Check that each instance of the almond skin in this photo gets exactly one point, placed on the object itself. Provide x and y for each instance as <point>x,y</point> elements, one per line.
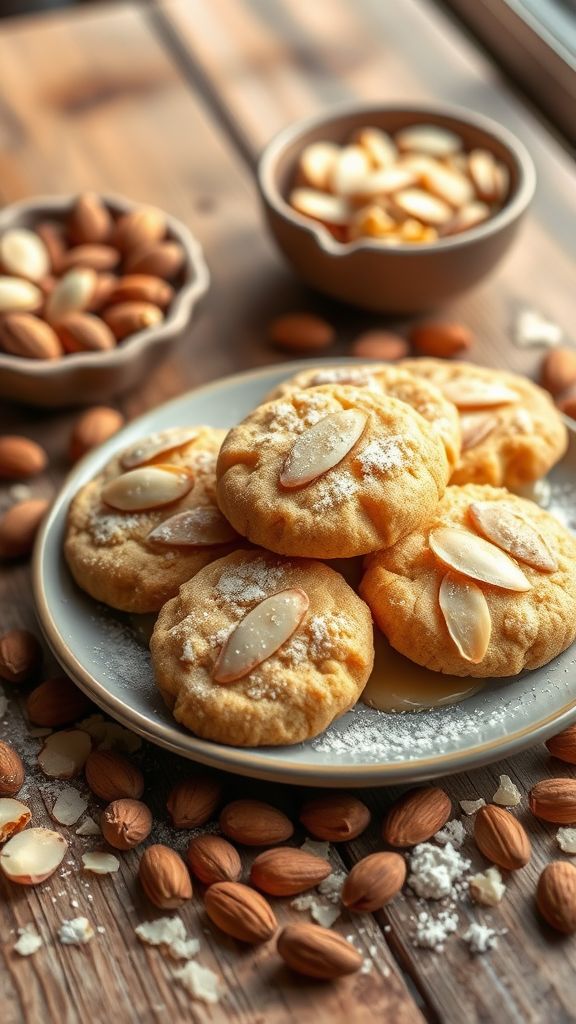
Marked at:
<point>142,288</point>
<point>416,816</point>
<point>127,318</point>
<point>84,332</point>
<point>563,746</point>
<point>92,428</point>
<point>19,526</point>
<point>112,777</point>
<point>240,912</point>
<point>554,800</point>
<point>374,881</point>
<point>213,859</point>
<point>20,458</point>
<point>89,220</point>
<point>20,656</point>
<point>126,823</point>
<point>255,823</point>
<point>380,345</point>
<point>556,896</point>
<point>164,259</point>
<point>501,838</point>
<point>164,877</point>
<point>301,332</point>
<point>56,702</point>
<point>193,801</point>
<point>317,952</point>
<point>286,871</point>
<point>335,817</point>
<point>559,370</point>
<point>441,339</point>
<point>23,334</point>
<point>11,770</point>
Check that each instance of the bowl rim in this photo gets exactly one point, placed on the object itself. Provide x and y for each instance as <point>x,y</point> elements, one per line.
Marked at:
<point>193,289</point>
<point>511,211</point>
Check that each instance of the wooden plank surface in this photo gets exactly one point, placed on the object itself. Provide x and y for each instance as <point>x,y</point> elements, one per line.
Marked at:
<point>170,104</point>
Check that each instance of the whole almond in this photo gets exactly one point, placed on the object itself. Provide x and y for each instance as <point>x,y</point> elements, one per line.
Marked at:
<point>559,370</point>
<point>89,220</point>
<point>164,877</point>
<point>164,259</point>
<point>563,746</point>
<point>142,288</point>
<point>335,817</point>
<point>23,254</point>
<point>56,702</point>
<point>20,458</point>
<point>74,292</point>
<point>141,227</point>
<point>286,871</point>
<point>18,295</point>
<point>93,428</point>
<point>441,339</point>
<point>193,801</point>
<point>317,952</point>
<point>416,816</point>
<point>556,896</point>
<point>20,656</point>
<point>23,334</point>
<point>554,800</point>
<point>111,776</point>
<point>84,332</point>
<point>19,526</point>
<point>127,318</point>
<point>53,235</point>
<point>240,912</point>
<point>213,859</point>
<point>302,332</point>
<point>255,823</point>
<point>380,345</point>
<point>374,881</point>
<point>126,823</point>
<point>98,257</point>
<point>11,770</point>
<point>501,838</point>
<point>103,289</point>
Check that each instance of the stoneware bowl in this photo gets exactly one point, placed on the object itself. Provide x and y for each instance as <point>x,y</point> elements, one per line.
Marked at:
<point>404,278</point>
<point>88,377</point>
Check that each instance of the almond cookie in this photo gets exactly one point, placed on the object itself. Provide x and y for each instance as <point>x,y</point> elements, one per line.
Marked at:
<point>149,521</point>
<point>260,650</point>
<point>487,588</point>
<point>512,433</point>
<point>330,472</point>
<point>387,380</point>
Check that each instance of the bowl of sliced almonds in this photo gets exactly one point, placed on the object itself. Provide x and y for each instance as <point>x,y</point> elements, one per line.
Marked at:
<point>94,290</point>
<point>395,209</point>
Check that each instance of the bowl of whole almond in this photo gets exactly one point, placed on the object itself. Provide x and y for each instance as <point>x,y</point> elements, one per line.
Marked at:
<point>395,209</point>
<point>94,290</point>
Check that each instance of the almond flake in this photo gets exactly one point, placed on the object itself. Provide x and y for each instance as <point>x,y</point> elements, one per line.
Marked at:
<point>31,856</point>
<point>566,839</point>
<point>169,933</point>
<point>476,428</point>
<point>471,806</point>
<point>477,558</point>
<point>477,394</point>
<point>415,202</point>
<point>512,533</point>
<point>260,633</point>
<point>69,806</point>
<point>316,163</point>
<point>89,827</point>
<point>100,863</point>
<point>428,139</point>
<point>320,206</point>
<point>14,816</point>
<point>147,487</point>
<point>467,616</point>
<point>197,527</point>
<point>507,794</point>
<point>157,444</point>
<point>487,887</point>
<point>64,753</point>
<point>200,982</point>
<point>322,446</point>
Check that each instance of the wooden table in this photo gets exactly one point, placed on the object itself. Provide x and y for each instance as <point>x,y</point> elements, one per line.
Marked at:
<point>170,103</point>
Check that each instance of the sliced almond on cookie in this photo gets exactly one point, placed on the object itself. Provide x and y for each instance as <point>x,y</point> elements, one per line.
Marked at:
<point>512,533</point>
<point>197,527</point>
<point>147,487</point>
<point>475,429</point>
<point>466,615</point>
<point>478,394</point>
<point>476,558</point>
<point>150,448</point>
<point>260,634</point>
<point>322,447</point>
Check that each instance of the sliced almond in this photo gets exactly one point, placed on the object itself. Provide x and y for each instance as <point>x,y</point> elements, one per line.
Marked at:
<point>378,145</point>
<point>149,448</point>
<point>467,616</point>
<point>350,167</point>
<point>467,217</point>
<point>417,203</point>
<point>33,855</point>
<point>100,863</point>
<point>147,487</point>
<point>316,163</point>
<point>486,173</point>
<point>14,816</point>
<point>428,139</point>
<point>322,447</point>
<point>477,394</point>
<point>476,428</point>
<point>476,558</point>
<point>512,533</point>
<point>447,184</point>
<point>260,633</point>
<point>384,182</point>
<point>197,527</point>
<point>320,206</point>
<point>69,807</point>
<point>64,753</point>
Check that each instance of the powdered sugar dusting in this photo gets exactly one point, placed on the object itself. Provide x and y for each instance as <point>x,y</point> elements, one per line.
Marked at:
<point>107,527</point>
<point>383,455</point>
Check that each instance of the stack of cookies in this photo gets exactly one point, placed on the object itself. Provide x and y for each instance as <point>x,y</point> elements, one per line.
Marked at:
<point>410,472</point>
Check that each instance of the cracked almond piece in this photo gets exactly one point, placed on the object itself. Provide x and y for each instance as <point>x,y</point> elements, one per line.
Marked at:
<point>259,635</point>
<point>14,816</point>
<point>318,952</point>
<point>466,615</point>
<point>477,558</point>
<point>64,753</point>
<point>322,447</point>
<point>148,487</point>
<point>126,823</point>
<point>513,534</point>
<point>31,856</point>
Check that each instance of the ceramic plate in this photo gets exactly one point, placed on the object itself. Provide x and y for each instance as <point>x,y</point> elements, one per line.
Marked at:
<point>106,653</point>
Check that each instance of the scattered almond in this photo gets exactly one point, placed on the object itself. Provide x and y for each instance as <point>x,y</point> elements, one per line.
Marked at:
<point>92,428</point>
<point>374,881</point>
<point>64,753</point>
<point>20,656</point>
<point>20,458</point>
<point>19,526</point>
<point>111,776</point>
<point>11,770</point>
<point>556,896</point>
<point>193,801</point>
<point>164,877</point>
<point>487,887</point>
<point>69,806</point>
<point>558,370</point>
<point>441,339</point>
<point>84,332</point>
<point>22,334</point>
<point>301,332</point>
<point>31,856</point>
<point>507,794</point>
<point>335,817</point>
<point>14,816</point>
<point>126,823</point>
<point>100,863</point>
<point>287,871</point>
<point>554,800</point>
<point>255,823</point>
<point>501,838</point>
<point>416,816</point>
<point>317,952</point>
<point>213,859</point>
<point>563,745</point>
<point>240,912</point>
<point>56,702</point>
<point>380,345</point>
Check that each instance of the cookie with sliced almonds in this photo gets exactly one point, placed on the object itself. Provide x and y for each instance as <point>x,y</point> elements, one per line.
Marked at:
<point>150,520</point>
<point>512,433</point>
<point>258,649</point>
<point>332,471</point>
<point>487,588</point>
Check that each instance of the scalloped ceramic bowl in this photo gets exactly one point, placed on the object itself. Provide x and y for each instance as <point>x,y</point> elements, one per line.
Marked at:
<point>87,377</point>
<point>404,278</point>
